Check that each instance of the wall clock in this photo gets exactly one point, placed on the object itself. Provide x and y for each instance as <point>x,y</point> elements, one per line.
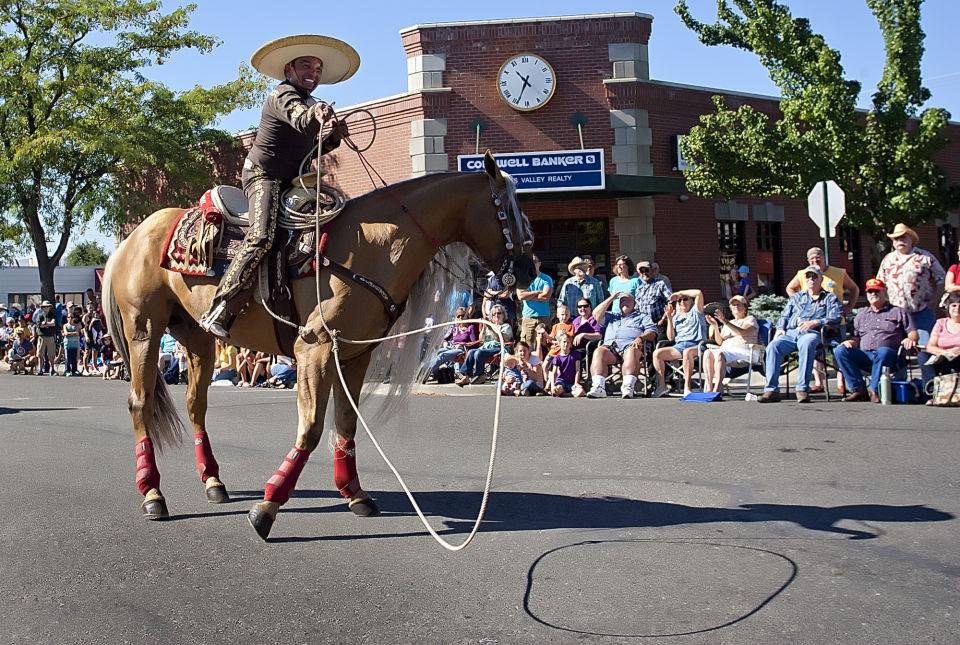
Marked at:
<point>526,82</point>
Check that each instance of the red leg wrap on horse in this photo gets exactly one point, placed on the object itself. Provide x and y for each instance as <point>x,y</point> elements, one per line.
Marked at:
<point>147,474</point>
<point>284,480</point>
<point>345,468</point>
<point>207,465</point>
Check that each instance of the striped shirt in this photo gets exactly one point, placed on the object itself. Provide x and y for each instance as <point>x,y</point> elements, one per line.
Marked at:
<point>825,309</point>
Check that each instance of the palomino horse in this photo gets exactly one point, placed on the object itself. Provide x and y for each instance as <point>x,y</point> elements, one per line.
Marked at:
<point>390,243</point>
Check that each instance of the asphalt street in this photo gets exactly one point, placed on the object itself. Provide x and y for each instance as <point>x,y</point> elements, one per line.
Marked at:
<point>609,522</point>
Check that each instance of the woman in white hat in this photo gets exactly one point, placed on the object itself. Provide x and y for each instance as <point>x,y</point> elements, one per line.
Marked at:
<point>289,125</point>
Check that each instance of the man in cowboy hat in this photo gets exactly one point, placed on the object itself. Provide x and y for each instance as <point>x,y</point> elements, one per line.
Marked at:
<point>914,280</point>
<point>579,285</point>
<point>289,125</point>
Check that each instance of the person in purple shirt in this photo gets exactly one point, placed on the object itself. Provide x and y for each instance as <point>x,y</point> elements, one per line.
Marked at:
<point>878,333</point>
<point>460,338</point>
<point>585,329</point>
<point>565,370</point>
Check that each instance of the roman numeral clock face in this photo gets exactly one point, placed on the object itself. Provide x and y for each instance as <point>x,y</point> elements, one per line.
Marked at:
<point>526,82</point>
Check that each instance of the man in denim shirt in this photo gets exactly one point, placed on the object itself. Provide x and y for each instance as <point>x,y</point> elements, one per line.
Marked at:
<point>798,330</point>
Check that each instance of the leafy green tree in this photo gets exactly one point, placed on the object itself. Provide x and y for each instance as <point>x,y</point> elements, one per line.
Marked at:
<point>82,130</point>
<point>87,254</point>
<point>883,159</point>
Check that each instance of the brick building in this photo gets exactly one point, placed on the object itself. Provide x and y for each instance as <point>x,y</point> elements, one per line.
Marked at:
<point>600,68</point>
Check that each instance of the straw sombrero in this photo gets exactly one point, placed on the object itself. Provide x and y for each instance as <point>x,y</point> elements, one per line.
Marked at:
<point>340,60</point>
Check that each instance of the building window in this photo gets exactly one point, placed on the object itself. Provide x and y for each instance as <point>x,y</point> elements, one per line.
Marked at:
<point>556,242</point>
<point>732,242</point>
<point>768,270</point>
<point>948,244</point>
<point>849,238</point>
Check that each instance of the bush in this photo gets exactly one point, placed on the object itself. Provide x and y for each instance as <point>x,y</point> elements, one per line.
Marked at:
<point>767,306</point>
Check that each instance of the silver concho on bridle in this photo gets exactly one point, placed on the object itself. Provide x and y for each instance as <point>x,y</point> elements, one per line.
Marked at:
<point>506,274</point>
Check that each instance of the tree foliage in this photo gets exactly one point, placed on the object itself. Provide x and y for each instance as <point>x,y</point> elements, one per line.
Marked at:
<point>80,123</point>
<point>86,254</point>
<point>884,159</point>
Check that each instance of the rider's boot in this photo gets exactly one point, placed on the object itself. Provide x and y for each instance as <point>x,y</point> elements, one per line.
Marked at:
<point>217,320</point>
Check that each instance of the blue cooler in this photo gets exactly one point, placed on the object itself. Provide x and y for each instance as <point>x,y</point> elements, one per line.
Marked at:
<point>907,391</point>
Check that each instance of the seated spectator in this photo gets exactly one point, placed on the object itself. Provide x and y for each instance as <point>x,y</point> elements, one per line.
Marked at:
<point>944,344</point>
<point>111,363</point>
<point>22,356</point>
<point>176,371</point>
<point>733,336</point>
<point>652,296</point>
<point>623,343</point>
<point>625,279</point>
<point>579,285</point>
<point>543,344</point>
<point>475,365</point>
<point>283,373</point>
<point>564,379</point>
<point>686,327</point>
<point>563,327</point>
<point>252,367</point>
<point>459,339</point>
<point>798,330</point>
<point>225,364</point>
<point>585,328</point>
<point>879,331</point>
<point>530,369</point>
<point>7,334</point>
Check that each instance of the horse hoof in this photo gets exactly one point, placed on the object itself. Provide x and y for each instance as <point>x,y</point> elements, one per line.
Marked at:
<point>261,522</point>
<point>365,508</point>
<point>218,495</point>
<point>155,509</point>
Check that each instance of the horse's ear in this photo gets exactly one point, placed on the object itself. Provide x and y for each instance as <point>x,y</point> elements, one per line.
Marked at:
<point>490,165</point>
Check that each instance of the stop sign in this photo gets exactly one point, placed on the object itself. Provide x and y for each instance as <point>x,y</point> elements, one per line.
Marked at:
<point>826,205</point>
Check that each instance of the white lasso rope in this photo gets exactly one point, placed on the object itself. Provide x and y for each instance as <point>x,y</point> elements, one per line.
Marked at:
<point>336,339</point>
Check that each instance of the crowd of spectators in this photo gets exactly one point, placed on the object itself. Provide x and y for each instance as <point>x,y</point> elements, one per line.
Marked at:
<point>568,341</point>
<point>572,338</point>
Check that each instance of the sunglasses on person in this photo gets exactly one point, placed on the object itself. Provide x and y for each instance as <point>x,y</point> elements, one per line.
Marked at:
<point>583,306</point>
<point>643,270</point>
<point>738,305</point>
<point>684,298</point>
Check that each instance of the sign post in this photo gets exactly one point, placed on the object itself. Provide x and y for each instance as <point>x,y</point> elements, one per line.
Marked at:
<point>826,205</point>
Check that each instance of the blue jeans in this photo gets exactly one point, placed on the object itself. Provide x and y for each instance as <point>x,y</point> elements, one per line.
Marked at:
<point>805,343</point>
<point>925,320</point>
<point>445,355</point>
<point>532,386</point>
<point>476,361</point>
<point>854,362</point>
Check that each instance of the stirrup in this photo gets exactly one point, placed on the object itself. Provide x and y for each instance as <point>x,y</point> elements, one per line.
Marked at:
<point>217,321</point>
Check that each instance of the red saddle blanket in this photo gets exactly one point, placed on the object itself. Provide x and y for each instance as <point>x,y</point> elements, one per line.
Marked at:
<point>202,243</point>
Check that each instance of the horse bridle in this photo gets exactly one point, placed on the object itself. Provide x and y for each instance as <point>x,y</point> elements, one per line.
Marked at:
<point>511,252</point>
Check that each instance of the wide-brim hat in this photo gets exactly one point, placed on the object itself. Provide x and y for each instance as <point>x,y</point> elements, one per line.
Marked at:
<point>46,303</point>
<point>903,229</point>
<point>577,262</point>
<point>340,60</point>
<point>510,361</point>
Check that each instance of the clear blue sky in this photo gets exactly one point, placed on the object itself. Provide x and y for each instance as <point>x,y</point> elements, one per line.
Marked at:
<point>675,54</point>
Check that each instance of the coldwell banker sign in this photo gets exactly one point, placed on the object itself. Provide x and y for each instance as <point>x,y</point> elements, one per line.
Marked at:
<point>546,171</point>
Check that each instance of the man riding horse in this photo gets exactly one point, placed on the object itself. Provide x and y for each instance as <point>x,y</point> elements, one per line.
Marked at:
<point>289,125</point>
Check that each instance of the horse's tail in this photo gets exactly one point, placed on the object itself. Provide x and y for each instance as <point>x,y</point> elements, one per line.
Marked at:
<point>167,428</point>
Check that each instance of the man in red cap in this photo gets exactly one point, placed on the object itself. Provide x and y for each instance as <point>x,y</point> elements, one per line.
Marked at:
<point>878,333</point>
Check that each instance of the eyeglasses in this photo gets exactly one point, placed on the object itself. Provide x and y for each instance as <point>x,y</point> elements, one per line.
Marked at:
<point>684,298</point>
<point>737,304</point>
<point>643,270</point>
<point>497,313</point>
<point>583,306</point>
<point>873,291</point>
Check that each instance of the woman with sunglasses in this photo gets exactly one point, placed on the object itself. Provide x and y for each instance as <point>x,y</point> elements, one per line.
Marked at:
<point>460,338</point>
<point>734,337</point>
<point>686,326</point>
<point>475,364</point>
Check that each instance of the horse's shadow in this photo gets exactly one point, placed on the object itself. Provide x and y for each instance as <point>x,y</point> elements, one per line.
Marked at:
<point>518,511</point>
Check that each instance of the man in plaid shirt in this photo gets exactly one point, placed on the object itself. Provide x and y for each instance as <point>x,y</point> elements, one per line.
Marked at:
<point>652,296</point>
<point>798,330</point>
